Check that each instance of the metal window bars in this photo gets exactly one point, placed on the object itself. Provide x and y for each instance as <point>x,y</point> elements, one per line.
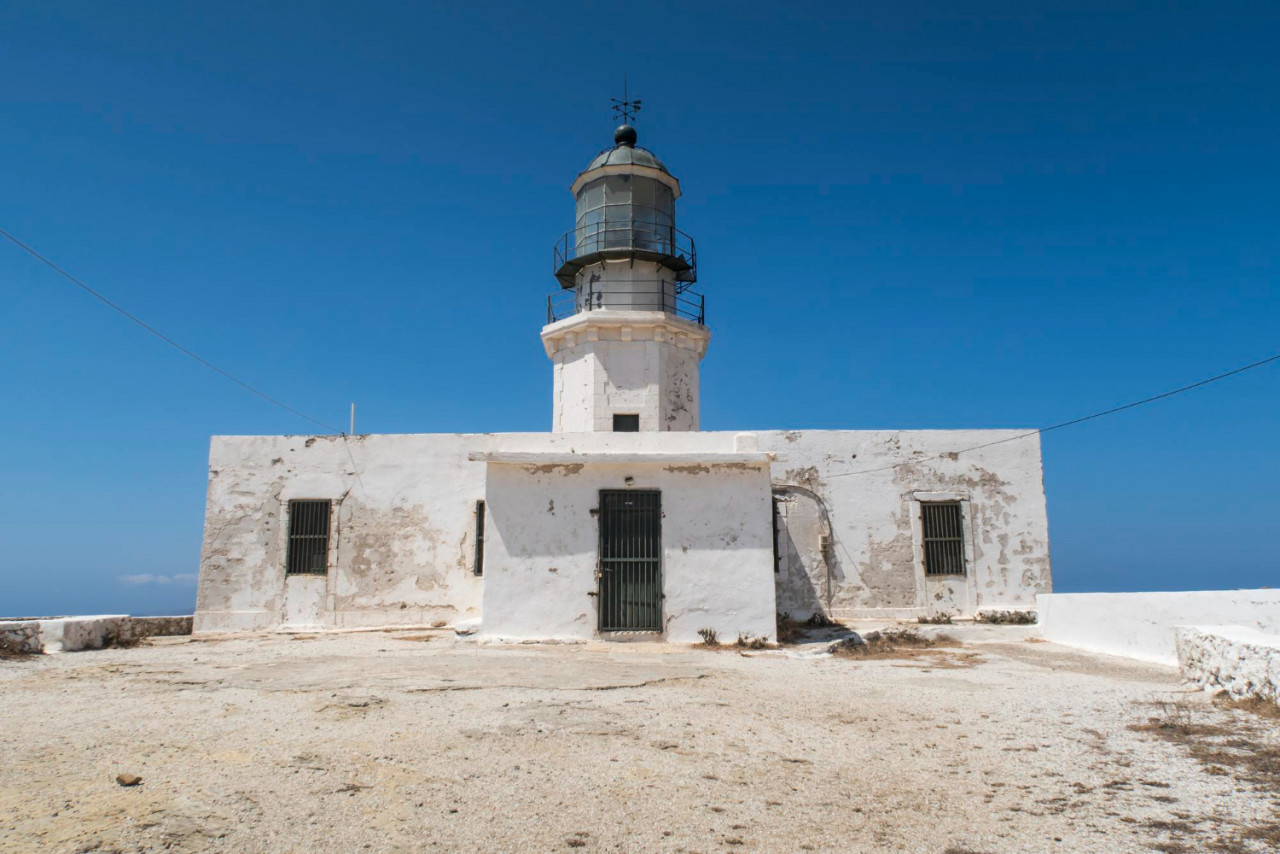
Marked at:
<point>630,561</point>
<point>308,550</point>
<point>478,565</point>
<point>943,528</point>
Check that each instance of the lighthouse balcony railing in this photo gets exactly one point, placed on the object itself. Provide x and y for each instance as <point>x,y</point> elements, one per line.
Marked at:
<point>666,297</point>
<point>631,233</point>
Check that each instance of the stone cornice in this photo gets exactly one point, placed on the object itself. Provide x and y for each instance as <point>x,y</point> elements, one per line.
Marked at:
<point>604,325</point>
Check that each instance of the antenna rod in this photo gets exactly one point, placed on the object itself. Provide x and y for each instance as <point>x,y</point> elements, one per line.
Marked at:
<point>353,419</point>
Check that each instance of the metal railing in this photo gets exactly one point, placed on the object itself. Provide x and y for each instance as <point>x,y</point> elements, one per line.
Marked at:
<point>666,297</point>
<point>629,234</point>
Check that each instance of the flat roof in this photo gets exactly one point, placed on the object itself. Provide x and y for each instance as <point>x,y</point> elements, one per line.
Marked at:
<point>712,458</point>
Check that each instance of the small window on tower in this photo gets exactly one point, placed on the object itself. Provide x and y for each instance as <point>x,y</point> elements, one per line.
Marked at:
<point>626,423</point>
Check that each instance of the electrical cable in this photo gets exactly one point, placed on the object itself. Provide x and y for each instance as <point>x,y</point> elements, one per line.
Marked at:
<point>165,338</point>
<point>1073,421</point>
<point>354,467</point>
<point>1038,432</point>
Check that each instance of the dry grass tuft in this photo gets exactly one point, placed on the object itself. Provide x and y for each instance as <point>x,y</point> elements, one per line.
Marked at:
<point>1174,720</point>
<point>1007,618</point>
<point>1265,709</point>
<point>819,620</point>
<point>711,641</point>
<point>940,651</point>
<point>1241,747</point>
<point>791,630</point>
<point>788,629</point>
<point>9,655</point>
<point>941,618</point>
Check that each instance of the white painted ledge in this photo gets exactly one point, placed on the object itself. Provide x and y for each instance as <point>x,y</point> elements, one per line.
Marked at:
<point>710,458</point>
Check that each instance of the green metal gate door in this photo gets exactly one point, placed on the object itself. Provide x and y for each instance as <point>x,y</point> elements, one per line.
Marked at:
<point>630,561</point>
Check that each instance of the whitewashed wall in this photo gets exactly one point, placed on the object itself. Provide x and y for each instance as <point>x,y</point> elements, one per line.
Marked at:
<point>403,532</point>
<point>851,541</point>
<point>1142,625</point>
<point>401,547</point>
<point>642,362</point>
<point>542,542</point>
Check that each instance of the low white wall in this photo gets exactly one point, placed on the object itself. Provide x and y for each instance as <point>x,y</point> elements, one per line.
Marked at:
<point>20,637</point>
<point>1141,625</point>
<point>76,633</point>
<point>71,634</point>
<point>1241,661</point>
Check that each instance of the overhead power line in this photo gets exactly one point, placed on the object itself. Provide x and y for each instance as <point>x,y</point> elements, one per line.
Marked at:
<point>1042,430</point>
<point>165,338</point>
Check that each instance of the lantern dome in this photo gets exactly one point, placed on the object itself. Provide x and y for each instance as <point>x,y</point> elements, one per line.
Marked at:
<point>626,155</point>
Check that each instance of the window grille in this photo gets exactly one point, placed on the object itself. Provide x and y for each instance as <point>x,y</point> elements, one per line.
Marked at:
<point>478,565</point>
<point>943,524</point>
<point>308,552</point>
<point>626,423</point>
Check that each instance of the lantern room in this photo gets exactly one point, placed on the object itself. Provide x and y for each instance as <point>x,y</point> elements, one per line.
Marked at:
<point>624,251</point>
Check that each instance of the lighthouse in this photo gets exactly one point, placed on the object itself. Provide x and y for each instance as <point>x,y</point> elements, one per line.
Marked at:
<point>672,532</point>
<point>626,332</point>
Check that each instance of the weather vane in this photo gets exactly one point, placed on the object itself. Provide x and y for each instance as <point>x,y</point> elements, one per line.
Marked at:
<point>625,109</point>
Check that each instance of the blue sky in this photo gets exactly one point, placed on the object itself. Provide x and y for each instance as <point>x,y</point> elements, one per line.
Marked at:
<point>913,215</point>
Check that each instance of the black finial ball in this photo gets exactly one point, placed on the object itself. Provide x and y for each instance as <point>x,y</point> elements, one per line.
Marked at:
<point>624,135</point>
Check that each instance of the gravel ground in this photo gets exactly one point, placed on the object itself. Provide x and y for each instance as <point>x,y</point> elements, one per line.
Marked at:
<point>417,741</point>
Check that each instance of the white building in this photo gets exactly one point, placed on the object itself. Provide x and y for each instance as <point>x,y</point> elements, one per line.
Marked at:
<point>626,518</point>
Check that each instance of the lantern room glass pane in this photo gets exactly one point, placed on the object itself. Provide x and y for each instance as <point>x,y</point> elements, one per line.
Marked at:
<point>623,212</point>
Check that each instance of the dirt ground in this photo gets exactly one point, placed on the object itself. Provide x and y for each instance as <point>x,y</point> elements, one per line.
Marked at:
<point>417,741</point>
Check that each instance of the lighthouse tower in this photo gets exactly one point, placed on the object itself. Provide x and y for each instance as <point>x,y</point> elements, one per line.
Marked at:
<point>626,332</point>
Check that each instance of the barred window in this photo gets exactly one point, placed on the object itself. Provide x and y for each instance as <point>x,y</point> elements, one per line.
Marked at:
<point>943,524</point>
<point>308,552</point>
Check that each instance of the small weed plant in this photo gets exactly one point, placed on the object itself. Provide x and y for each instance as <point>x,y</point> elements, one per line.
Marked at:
<point>709,637</point>
<point>1007,618</point>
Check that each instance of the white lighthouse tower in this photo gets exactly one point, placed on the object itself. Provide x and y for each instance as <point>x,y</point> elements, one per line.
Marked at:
<point>626,333</point>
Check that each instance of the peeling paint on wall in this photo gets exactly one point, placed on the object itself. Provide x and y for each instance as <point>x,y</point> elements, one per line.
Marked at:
<point>875,558</point>
<point>848,543</point>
